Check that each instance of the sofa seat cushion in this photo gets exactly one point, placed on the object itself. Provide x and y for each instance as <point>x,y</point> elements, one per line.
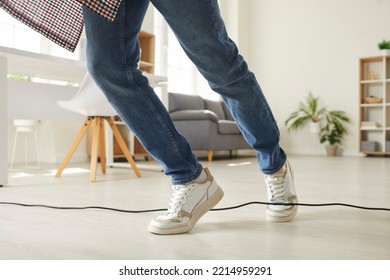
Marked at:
<point>228,127</point>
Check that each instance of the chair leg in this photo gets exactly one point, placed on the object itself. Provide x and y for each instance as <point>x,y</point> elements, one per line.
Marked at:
<point>73,148</point>
<point>123,146</point>
<point>36,147</point>
<point>102,145</point>
<point>94,148</point>
<point>210,155</point>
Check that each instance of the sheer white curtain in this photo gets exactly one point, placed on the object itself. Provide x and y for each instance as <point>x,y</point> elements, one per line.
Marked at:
<point>170,59</point>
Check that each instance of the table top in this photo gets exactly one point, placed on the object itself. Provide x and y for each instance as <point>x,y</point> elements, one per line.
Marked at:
<point>43,66</point>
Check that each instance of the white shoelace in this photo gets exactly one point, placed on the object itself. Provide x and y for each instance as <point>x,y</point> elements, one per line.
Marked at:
<point>179,197</point>
<point>276,188</point>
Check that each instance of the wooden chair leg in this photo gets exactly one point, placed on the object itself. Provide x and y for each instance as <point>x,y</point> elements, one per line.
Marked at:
<point>210,155</point>
<point>74,146</point>
<point>102,145</point>
<point>123,146</point>
<point>94,148</point>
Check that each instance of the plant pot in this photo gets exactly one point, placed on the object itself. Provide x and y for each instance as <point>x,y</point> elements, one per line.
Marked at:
<point>315,127</point>
<point>331,150</point>
<point>385,52</point>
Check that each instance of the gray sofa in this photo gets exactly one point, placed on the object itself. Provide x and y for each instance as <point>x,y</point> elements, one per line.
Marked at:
<point>206,124</point>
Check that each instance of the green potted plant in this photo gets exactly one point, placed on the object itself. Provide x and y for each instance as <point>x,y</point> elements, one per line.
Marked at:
<point>331,124</point>
<point>333,131</point>
<point>384,46</point>
<point>307,112</point>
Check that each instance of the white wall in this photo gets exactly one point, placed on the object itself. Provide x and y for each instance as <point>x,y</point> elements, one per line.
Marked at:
<point>236,15</point>
<point>299,46</point>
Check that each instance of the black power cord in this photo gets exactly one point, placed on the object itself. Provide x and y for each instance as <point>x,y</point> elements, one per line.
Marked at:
<point>305,204</point>
<point>214,209</point>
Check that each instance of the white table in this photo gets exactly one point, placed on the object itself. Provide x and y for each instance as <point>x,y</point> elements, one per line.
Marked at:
<point>29,64</point>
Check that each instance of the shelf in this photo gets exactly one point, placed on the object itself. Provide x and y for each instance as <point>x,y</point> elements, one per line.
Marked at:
<point>376,153</point>
<point>365,82</point>
<point>379,81</point>
<point>372,59</point>
<point>147,45</point>
<point>372,128</point>
<point>373,104</point>
<point>146,64</point>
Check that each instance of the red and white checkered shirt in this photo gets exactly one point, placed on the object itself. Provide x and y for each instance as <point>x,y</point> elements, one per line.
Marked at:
<point>59,20</point>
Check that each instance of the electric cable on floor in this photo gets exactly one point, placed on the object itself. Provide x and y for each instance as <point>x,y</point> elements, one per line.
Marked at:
<point>214,209</point>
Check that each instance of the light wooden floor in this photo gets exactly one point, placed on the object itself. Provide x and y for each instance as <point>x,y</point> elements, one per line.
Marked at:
<point>316,233</point>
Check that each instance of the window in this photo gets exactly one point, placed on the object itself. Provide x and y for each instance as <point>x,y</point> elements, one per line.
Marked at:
<point>171,61</point>
<point>15,34</point>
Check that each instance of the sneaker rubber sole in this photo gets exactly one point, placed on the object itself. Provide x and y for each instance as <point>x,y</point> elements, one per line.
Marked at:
<point>270,215</point>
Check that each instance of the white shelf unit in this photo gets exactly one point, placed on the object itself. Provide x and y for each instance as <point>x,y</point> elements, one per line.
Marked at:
<point>374,120</point>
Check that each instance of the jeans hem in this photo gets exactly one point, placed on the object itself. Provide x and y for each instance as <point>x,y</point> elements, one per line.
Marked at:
<point>187,180</point>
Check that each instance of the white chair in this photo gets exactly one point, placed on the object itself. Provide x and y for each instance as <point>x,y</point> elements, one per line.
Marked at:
<point>24,127</point>
<point>92,103</point>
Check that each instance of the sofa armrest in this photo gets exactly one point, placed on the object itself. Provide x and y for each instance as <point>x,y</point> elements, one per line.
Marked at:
<point>188,115</point>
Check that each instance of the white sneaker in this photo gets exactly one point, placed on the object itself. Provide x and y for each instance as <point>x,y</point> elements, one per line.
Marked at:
<point>188,204</point>
<point>280,189</point>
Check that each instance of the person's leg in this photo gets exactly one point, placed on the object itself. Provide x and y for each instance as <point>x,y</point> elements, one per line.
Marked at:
<point>201,32</point>
<point>112,57</point>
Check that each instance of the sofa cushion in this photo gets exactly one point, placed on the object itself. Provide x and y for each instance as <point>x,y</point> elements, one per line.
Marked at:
<point>228,127</point>
<point>178,101</point>
<point>216,107</point>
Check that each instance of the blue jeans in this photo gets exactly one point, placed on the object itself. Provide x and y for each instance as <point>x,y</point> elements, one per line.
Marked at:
<point>112,57</point>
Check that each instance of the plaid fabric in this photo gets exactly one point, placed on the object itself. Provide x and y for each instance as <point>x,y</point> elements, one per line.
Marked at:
<point>105,8</point>
<point>59,20</point>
